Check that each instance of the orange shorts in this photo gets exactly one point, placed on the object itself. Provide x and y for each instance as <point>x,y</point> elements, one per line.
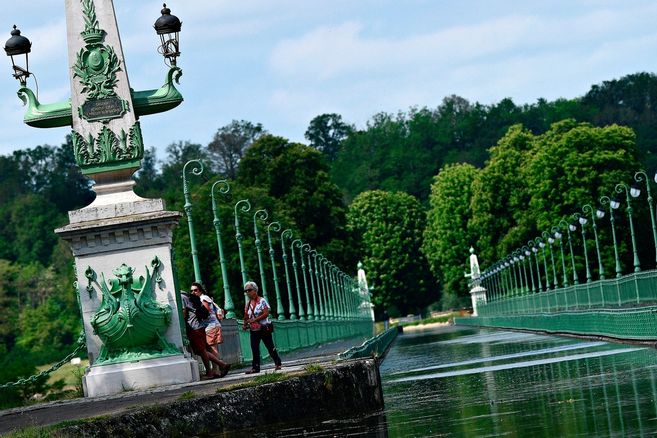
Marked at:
<point>213,335</point>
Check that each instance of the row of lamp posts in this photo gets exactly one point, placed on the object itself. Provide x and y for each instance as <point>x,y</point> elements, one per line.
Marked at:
<point>329,292</point>
<point>509,276</point>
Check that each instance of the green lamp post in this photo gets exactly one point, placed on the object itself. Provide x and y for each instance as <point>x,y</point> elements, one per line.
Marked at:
<point>243,206</point>
<point>296,243</point>
<point>541,244</point>
<point>550,240</point>
<point>620,188</point>
<point>570,227</point>
<point>556,232</point>
<point>316,292</point>
<point>583,221</point>
<point>600,213</point>
<point>309,268</point>
<point>636,191</point>
<point>260,215</point>
<point>280,308</point>
<point>287,234</point>
<point>196,169</point>
<point>528,255</point>
<point>224,188</point>
<point>589,209</point>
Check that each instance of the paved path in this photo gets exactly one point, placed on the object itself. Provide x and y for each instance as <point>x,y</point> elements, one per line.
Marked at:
<point>58,411</point>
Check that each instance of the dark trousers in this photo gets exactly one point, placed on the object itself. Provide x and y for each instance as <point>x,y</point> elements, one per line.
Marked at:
<point>256,337</point>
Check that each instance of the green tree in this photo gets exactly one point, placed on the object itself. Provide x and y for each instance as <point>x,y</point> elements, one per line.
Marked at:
<point>389,229</point>
<point>326,133</point>
<point>446,237</point>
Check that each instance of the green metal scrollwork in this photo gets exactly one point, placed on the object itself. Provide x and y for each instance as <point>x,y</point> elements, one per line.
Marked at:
<point>129,321</point>
<point>196,169</point>
<point>156,264</point>
<point>244,206</point>
<point>287,234</point>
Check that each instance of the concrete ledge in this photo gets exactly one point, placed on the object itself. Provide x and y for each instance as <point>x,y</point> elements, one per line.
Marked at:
<point>350,389</point>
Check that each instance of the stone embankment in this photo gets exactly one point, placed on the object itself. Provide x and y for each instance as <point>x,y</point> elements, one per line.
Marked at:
<point>348,388</point>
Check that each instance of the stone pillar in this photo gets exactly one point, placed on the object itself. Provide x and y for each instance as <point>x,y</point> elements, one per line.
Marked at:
<point>477,293</point>
<point>122,244</point>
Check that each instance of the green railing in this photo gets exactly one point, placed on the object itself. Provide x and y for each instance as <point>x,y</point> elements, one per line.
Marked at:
<point>560,281</point>
<point>312,300</point>
<point>292,335</point>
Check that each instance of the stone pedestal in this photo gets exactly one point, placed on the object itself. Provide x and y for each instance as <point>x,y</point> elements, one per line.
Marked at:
<point>477,295</point>
<point>144,374</point>
<point>138,233</point>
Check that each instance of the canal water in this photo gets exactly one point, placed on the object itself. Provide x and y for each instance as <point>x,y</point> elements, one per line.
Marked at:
<point>467,382</point>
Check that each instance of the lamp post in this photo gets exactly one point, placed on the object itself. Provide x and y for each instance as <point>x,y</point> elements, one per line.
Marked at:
<point>316,312</point>
<point>302,314</point>
<point>279,302</point>
<point>287,234</point>
<point>556,232</point>
<point>583,221</point>
<point>528,254</point>
<point>196,169</point>
<point>588,209</point>
<point>262,215</point>
<point>541,244</point>
<point>320,299</point>
<point>600,213</point>
<point>550,240</point>
<point>310,311</point>
<point>533,247</point>
<point>216,221</point>
<point>620,188</point>
<point>521,256</point>
<point>18,45</point>
<point>569,227</point>
<point>642,176</point>
<point>244,206</point>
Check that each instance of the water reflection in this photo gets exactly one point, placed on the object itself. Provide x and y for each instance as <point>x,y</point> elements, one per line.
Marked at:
<point>514,384</point>
<point>466,382</point>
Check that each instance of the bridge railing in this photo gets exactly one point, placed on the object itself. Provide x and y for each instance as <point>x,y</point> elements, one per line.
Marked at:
<point>569,266</point>
<point>312,299</point>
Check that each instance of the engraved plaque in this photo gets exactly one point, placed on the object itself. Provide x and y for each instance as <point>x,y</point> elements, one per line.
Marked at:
<point>103,109</point>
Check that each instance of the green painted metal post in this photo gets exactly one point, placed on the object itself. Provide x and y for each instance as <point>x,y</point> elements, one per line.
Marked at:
<point>244,206</point>
<point>314,315</point>
<point>228,300</point>
<point>287,234</point>
<point>528,254</point>
<point>298,243</point>
<point>582,221</point>
<point>327,290</point>
<point>521,256</point>
<point>620,187</point>
<point>541,244</point>
<point>550,241</point>
<point>606,200</point>
<point>196,169</point>
<point>262,215</point>
<point>556,232</point>
<point>280,308</point>
<point>532,245</point>
<point>601,269</point>
<point>572,254</point>
<point>638,177</point>
<point>313,281</point>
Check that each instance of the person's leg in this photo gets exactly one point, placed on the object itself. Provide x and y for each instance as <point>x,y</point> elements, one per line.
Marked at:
<point>255,350</point>
<point>268,340</point>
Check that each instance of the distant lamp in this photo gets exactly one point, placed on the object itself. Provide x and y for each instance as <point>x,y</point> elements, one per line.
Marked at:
<point>16,46</point>
<point>572,226</point>
<point>582,220</point>
<point>615,202</point>
<point>168,28</point>
<point>600,213</point>
<point>557,235</point>
<point>635,190</point>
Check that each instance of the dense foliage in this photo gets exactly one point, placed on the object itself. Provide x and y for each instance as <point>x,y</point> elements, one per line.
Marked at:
<point>416,208</point>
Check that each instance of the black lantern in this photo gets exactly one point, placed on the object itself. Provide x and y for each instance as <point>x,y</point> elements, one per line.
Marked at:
<point>168,28</point>
<point>15,46</point>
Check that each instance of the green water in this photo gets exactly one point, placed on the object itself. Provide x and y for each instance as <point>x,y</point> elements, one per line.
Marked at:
<point>466,382</point>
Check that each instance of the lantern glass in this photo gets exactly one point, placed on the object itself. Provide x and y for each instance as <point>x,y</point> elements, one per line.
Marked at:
<point>635,191</point>
<point>600,213</point>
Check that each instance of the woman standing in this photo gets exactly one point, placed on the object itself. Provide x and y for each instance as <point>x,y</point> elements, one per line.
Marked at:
<point>256,319</point>
<point>213,334</point>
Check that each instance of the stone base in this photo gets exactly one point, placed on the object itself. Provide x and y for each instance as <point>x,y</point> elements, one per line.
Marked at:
<point>121,377</point>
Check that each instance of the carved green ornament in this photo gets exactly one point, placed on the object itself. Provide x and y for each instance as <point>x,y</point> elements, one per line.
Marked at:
<point>129,322</point>
<point>96,64</point>
<point>121,151</point>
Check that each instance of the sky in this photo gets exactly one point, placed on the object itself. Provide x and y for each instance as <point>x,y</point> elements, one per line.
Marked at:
<point>281,63</point>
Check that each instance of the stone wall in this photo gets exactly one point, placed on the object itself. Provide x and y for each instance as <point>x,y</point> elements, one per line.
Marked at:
<point>347,390</point>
